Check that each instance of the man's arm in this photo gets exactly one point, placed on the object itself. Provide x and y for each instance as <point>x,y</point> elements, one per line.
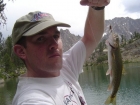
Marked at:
<point>94,27</point>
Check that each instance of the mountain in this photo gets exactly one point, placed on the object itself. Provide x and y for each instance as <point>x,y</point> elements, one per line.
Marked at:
<point>68,39</point>
<point>131,52</point>
<point>123,26</point>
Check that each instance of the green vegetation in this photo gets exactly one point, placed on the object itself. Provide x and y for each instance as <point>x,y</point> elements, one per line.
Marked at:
<point>10,65</point>
<point>99,56</point>
<point>2,14</point>
<point>134,37</point>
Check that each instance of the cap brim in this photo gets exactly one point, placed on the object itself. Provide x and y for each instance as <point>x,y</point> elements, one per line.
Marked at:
<point>44,25</point>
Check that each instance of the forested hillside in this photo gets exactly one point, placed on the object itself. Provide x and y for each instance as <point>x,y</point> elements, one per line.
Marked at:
<point>11,66</point>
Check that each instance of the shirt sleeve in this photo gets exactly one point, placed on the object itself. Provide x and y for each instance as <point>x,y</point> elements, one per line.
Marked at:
<point>74,59</point>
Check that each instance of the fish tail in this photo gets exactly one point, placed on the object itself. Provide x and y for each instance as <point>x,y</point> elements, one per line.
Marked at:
<point>110,100</point>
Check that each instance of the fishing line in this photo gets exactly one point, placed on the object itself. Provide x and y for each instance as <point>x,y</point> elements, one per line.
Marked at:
<point>92,31</point>
<point>104,31</point>
<point>108,30</point>
<point>108,18</point>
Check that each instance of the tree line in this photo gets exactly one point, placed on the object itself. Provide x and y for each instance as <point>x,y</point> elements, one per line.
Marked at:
<point>3,17</point>
<point>134,37</point>
<point>99,56</point>
<point>10,64</point>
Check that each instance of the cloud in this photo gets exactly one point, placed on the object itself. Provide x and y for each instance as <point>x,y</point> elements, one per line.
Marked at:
<point>132,6</point>
<point>68,11</point>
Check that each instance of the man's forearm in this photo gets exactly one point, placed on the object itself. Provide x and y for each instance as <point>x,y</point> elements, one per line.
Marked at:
<point>94,28</point>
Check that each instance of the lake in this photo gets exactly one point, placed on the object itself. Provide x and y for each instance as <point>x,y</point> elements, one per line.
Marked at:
<point>94,83</point>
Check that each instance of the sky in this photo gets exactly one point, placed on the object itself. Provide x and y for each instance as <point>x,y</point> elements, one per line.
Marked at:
<point>68,11</point>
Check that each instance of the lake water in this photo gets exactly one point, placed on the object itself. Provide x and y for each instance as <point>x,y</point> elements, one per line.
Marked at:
<point>94,83</point>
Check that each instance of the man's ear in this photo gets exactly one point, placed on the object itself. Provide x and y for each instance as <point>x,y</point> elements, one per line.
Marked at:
<point>19,51</point>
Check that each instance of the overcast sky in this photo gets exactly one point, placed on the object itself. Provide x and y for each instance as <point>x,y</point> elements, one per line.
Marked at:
<point>68,11</point>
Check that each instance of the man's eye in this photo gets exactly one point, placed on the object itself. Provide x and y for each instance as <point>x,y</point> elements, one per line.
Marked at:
<point>56,36</point>
<point>41,39</point>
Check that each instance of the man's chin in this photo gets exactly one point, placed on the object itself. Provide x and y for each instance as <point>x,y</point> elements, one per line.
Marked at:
<point>55,67</point>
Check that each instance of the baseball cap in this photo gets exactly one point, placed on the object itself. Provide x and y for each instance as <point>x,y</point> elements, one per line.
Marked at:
<point>33,23</point>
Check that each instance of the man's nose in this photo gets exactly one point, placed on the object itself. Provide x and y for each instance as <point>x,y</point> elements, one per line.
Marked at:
<point>53,44</point>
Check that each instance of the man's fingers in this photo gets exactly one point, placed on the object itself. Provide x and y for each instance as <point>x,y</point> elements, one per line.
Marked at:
<point>92,4</point>
<point>99,3</point>
<point>84,2</point>
<point>108,1</point>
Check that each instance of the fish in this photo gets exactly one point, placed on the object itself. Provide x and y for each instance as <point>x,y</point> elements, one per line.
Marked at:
<point>115,66</point>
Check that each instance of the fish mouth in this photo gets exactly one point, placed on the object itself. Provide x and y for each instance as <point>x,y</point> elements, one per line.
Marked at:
<point>112,46</point>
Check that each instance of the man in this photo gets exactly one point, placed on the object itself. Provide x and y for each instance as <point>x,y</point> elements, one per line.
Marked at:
<point>52,77</point>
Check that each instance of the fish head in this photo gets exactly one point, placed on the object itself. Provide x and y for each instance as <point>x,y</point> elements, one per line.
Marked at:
<point>113,41</point>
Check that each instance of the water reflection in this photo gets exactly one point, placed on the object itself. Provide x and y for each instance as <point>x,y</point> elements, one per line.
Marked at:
<point>94,83</point>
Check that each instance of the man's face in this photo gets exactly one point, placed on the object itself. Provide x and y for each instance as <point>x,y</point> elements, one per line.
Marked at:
<point>44,53</point>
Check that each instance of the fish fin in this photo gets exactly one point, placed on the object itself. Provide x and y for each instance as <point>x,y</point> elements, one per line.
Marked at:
<point>123,71</point>
<point>108,72</point>
<point>113,55</point>
<point>111,74</point>
<point>107,102</point>
<point>110,100</point>
<point>114,101</point>
<point>109,87</point>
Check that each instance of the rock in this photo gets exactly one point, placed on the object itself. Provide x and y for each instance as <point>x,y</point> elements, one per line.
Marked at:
<point>68,39</point>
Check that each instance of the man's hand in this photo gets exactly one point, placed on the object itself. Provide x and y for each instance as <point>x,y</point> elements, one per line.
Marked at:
<point>98,3</point>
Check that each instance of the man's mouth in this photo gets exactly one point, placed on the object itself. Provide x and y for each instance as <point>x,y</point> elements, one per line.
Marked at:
<point>54,55</point>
